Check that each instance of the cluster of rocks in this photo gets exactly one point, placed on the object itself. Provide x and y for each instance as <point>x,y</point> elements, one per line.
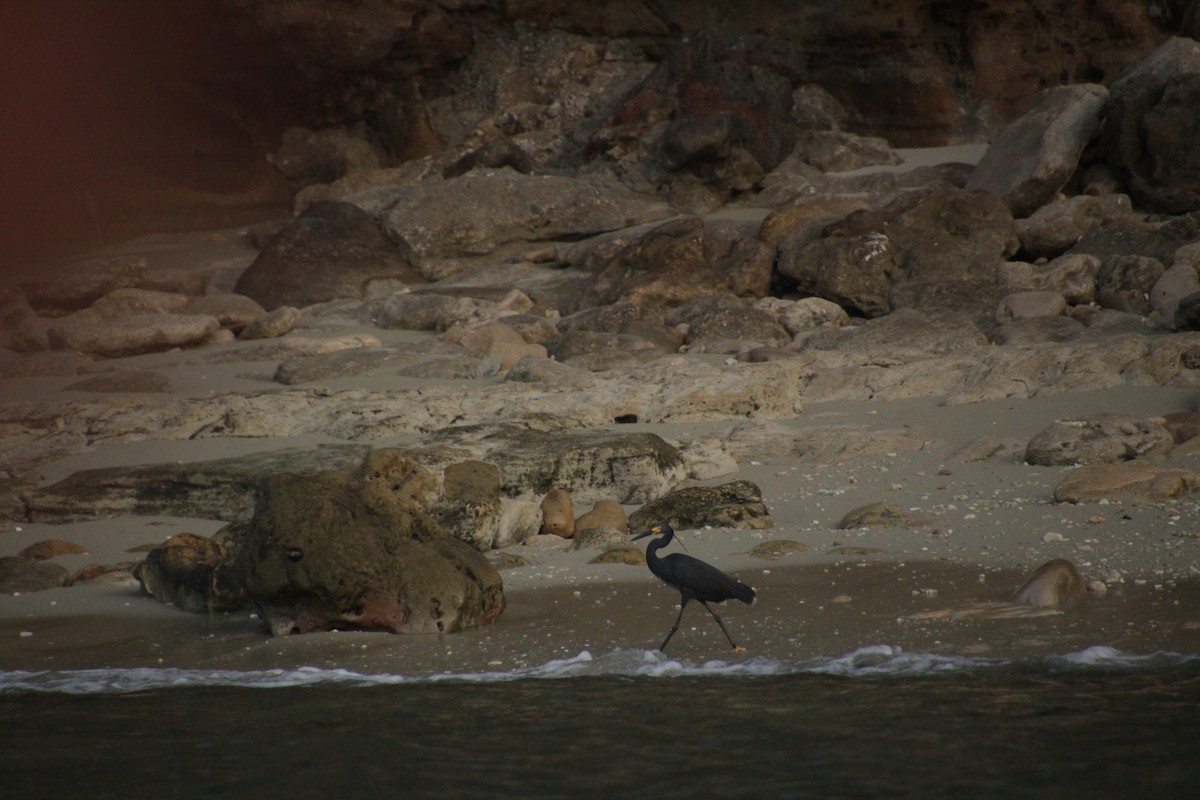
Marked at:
<point>737,504</point>
<point>711,261</point>
<point>1061,234</point>
<point>1117,456</point>
<point>558,518</point>
<point>538,83</point>
<point>116,306</point>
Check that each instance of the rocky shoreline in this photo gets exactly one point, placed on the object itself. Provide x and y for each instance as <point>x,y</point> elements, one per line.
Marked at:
<point>946,343</point>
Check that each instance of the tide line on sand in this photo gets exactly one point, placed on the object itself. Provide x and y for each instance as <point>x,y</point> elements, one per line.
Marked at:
<point>875,661</point>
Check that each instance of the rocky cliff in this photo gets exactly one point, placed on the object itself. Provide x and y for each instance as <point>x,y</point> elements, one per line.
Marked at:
<point>148,116</point>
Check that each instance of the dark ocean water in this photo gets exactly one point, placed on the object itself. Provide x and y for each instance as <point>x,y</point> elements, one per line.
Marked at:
<point>627,724</point>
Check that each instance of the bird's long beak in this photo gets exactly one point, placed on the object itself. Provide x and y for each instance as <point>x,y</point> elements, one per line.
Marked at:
<point>651,532</point>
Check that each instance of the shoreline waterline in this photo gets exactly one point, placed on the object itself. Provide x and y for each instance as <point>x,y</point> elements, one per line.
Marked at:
<point>873,661</point>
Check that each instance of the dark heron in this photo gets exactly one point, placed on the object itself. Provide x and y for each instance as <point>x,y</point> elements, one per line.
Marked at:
<point>694,579</point>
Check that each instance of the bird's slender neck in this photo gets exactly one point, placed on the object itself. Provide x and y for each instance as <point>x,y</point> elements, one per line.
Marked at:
<point>658,544</point>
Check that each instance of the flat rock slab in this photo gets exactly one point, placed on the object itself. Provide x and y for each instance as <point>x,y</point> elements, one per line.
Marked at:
<point>219,489</point>
<point>482,210</point>
<point>1092,483</point>
<point>597,465</point>
<point>125,336</point>
<point>737,504</point>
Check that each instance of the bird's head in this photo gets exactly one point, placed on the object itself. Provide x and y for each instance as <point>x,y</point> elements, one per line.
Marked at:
<point>657,528</point>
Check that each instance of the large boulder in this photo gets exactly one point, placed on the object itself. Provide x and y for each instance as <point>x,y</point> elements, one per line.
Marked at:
<point>1032,158</point>
<point>351,549</point>
<point>1151,131</point>
<point>605,514</point>
<point>1130,481</point>
<point>682,260</point>
<point>1104,438</point>
<point>331,250</point>
<point>128,336</point>
<point>483,210</point>
<point>936,247</point>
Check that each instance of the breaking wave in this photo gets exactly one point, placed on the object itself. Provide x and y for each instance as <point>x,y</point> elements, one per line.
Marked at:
<point>876,661</point>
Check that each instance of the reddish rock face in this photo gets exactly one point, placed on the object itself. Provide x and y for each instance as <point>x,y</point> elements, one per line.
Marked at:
<point>378,613</point>
<point>132,118</point>
<point>158,116</point>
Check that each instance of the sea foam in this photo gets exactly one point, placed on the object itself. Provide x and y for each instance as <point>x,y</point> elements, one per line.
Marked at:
<point>875,661</point>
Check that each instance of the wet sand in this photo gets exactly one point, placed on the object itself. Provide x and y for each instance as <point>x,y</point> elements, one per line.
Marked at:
<point>802,612</point>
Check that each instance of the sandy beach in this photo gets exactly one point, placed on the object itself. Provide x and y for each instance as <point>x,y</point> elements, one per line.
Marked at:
<point>937,586</point>
<point>940,585</point>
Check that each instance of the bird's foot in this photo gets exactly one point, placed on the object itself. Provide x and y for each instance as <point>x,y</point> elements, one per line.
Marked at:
<point>739,649</point>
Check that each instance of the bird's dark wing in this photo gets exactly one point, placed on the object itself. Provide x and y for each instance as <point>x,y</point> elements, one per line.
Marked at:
<point>702,581</point>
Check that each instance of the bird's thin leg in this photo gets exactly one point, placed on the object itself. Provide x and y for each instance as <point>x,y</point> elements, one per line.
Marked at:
<point>724,630</point>
<point>682,605</point>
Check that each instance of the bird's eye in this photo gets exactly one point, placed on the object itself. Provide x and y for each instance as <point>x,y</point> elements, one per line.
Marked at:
<point>295,554</point>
